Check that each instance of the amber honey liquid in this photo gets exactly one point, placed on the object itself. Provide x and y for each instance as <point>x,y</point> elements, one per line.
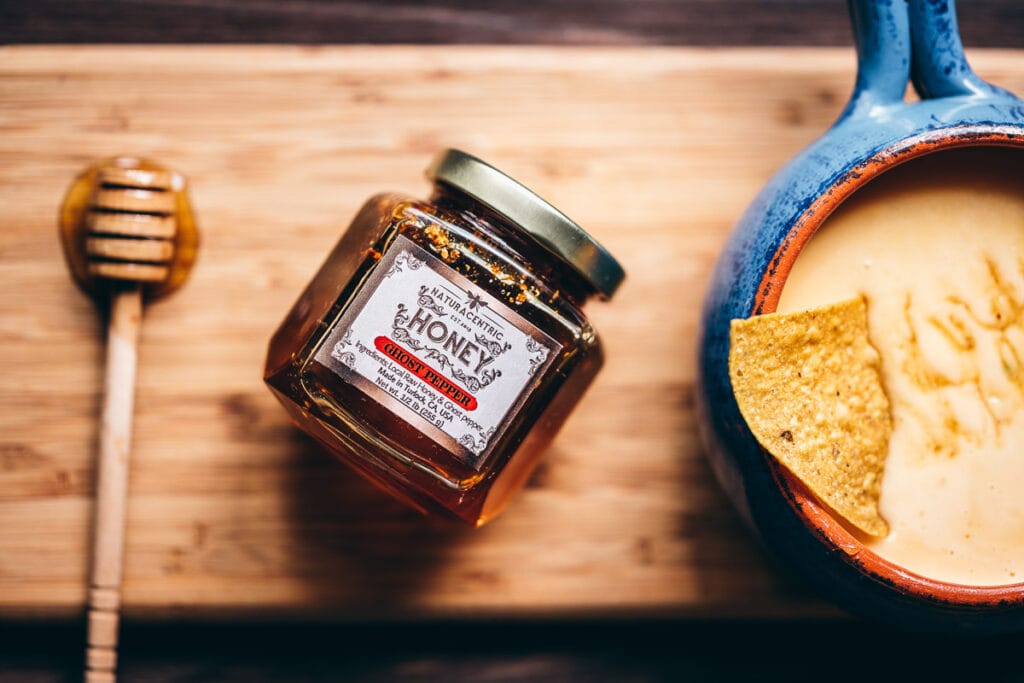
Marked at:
<point>937,247</point>
<point>403,460</point>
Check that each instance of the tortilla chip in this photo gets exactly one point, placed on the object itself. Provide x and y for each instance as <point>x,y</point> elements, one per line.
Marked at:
<point>808,385</point>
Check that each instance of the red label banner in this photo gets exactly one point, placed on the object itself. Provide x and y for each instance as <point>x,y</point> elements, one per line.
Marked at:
<point>431,377</point>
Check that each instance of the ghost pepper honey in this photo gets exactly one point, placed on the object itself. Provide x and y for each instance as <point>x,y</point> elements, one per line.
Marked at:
<point>442,343</point>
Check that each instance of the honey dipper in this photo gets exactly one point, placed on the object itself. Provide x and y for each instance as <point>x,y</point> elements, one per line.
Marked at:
<point>128,232</point>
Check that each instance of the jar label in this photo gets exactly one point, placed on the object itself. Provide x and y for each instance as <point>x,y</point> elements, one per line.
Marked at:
<point>437,350</point>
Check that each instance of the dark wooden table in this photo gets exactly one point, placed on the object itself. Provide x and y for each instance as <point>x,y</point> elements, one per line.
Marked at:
<point>510,651</point>
<point>661,650</point>
<point>983,23</point>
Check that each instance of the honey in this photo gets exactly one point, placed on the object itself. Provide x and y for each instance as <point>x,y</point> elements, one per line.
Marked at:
<point>442,344</point>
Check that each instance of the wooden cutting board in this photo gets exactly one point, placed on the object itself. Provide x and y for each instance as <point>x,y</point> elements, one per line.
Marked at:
<point>233,511</point>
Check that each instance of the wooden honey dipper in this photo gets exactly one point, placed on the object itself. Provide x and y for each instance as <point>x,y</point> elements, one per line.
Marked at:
<point>128,231</point>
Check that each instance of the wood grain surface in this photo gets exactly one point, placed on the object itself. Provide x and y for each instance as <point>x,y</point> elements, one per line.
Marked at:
<point>983,23</point>
<point>232,510</point>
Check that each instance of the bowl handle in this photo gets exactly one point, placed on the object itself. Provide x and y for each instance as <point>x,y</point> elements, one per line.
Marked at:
<point>916,40</point>
<point>940,68</point>
<point>881,32</point>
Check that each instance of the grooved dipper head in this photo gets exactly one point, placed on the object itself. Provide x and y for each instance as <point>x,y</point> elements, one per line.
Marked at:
<point>128,220</point>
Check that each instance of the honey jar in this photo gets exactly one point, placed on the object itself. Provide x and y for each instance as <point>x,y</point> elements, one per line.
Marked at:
<point>442,343</point>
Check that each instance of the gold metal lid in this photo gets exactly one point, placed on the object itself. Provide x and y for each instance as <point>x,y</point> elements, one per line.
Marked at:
<point>548,226</point>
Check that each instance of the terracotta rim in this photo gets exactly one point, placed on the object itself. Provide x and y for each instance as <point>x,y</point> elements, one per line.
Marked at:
<point>806,507</point>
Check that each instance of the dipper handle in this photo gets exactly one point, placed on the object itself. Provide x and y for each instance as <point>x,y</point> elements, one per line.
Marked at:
<point>112,484</point>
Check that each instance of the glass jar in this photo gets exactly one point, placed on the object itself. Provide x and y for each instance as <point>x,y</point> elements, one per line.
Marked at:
<point>442,343</point>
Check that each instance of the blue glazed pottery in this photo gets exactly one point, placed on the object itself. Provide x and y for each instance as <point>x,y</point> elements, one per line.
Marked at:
<point>896,40</point>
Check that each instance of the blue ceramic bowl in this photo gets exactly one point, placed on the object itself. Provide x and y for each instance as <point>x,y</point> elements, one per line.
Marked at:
<point>896,40</point>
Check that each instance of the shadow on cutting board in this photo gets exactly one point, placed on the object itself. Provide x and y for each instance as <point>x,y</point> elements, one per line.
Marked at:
<point>362,552</point>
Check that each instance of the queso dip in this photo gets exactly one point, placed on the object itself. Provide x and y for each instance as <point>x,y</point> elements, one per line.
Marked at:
<point>936,246</point>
